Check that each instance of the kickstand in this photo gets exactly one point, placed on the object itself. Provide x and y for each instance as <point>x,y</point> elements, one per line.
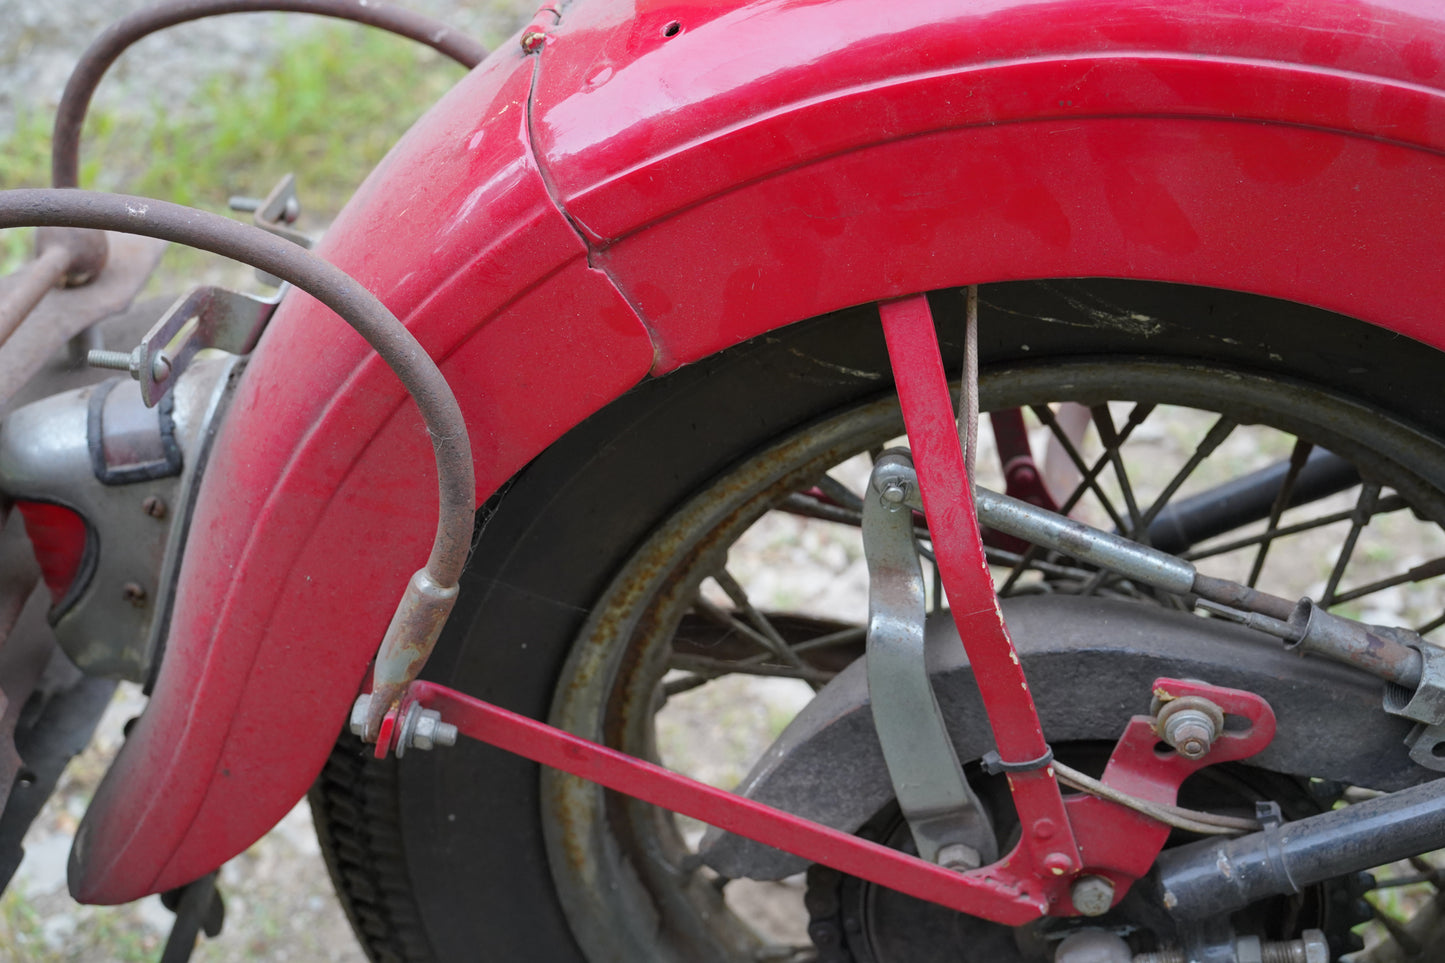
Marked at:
<point>198,907</point>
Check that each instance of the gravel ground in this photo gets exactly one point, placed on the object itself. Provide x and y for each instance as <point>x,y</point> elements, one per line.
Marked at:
<point>41,40</point>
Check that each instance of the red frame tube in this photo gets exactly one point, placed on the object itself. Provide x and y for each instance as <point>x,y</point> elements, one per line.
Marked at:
<point>979,893</point>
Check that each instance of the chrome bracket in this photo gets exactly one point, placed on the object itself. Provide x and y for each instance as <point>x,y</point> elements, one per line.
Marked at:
<point>949,825</point>
<point>207,317</point>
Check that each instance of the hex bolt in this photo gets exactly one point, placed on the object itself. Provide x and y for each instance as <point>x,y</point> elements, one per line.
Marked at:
<point>959,857</point>
<point>423,729</point>
<point>1092,895</point>
<point>134,594</point>
<point>154,506</point>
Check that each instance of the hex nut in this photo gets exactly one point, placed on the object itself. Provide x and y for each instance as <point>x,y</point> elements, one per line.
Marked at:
<point>429,731</point>
<point>1092,895</point>
<point>358,714</point>
<point>959,857</point>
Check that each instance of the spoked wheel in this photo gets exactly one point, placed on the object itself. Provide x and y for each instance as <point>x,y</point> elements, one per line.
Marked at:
<point>677,576</point>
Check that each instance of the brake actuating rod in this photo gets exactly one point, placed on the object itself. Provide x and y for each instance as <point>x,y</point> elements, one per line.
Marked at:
<point>1387,654</point>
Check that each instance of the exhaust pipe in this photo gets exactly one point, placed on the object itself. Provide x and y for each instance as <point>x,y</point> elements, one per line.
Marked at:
<point>1215,877</point>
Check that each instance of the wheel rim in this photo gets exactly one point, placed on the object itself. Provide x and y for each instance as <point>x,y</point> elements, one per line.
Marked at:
<point>625,874</point>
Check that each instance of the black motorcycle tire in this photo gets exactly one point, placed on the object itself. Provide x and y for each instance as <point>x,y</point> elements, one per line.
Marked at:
<point>441,855</point>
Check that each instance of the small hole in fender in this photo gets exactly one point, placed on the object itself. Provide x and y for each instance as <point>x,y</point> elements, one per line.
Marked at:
<point>672,29</point>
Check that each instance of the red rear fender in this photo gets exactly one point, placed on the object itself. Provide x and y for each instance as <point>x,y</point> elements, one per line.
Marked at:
<point>667,196</point>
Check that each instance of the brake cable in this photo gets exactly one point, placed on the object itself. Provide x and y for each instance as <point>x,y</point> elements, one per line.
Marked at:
<point>1192,820</point>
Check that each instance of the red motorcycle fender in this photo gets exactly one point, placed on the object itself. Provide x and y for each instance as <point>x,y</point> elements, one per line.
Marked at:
<point>691,176</point>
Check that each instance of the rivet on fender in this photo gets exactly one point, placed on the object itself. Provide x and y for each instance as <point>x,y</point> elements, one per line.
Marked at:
<point>536,33</point>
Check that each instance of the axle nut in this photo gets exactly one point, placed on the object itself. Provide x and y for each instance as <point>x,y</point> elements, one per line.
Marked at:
<point>1092,895</point>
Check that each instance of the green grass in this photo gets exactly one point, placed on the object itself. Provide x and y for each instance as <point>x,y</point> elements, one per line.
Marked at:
<point>331,104</point>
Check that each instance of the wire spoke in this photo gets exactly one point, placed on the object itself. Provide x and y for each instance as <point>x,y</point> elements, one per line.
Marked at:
<point>1432,625</point>
<point>1359,518</point>
<point>1088,473</point>
<point>809,506</point>
<point>840,493</point>
<point>1207,445</point>
<point>1104,425</point>
<point>710,668</point>
<point>768,634</point>
<point>730,621</point>
<point>719,667</point>
<point>707,669</point>
<point>1297,459</point>
<point>1087,483</point>
<point>1386,505</point>
<point>1417,574</point>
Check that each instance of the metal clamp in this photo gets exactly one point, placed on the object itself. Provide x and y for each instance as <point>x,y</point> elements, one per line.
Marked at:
<point>993,763</point>
<point>1425,706</point>
<point>207,317</point>
<point>275,213</point>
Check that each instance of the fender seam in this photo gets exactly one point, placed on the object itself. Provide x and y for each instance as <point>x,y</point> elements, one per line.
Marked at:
<point>594,263</point>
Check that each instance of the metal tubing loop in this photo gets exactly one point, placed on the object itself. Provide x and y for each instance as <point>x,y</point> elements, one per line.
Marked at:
<point>331,286</point>
<point>70,115</point>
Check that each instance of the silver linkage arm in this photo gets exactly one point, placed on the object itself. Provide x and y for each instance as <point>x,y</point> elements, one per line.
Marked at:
<point>948,824</point>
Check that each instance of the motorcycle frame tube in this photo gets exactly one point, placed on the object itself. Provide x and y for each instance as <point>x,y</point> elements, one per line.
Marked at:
<point>562,225</point>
